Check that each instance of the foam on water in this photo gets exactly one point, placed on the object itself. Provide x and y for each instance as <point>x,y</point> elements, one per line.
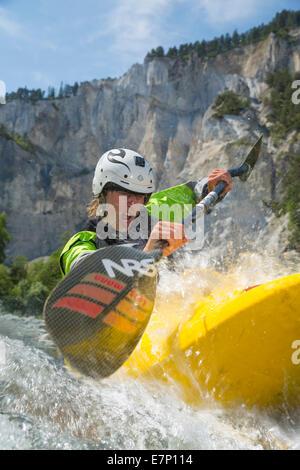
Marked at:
<point>43,406</point>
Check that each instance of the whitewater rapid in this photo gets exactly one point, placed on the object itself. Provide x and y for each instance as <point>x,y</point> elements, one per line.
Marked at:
<point>43,406</point>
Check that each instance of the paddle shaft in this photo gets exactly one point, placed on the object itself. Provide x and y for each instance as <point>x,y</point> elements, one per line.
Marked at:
<point>209,200</point>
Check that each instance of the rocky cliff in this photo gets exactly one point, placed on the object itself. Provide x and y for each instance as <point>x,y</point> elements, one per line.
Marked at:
<point>161,108</point>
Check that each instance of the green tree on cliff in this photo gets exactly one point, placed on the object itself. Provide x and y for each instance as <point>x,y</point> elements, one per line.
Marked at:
<point>4,236</point>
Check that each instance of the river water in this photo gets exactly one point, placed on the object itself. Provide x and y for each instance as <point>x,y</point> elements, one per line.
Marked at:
<point>43,406</point>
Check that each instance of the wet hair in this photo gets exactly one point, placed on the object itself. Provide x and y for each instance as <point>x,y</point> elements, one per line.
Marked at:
<point>92,207</point>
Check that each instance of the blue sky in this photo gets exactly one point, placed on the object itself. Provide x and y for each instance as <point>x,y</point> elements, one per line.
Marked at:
<point>45,42</point>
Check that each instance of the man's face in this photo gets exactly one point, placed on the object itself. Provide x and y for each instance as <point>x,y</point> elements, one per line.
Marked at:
<point>122,201</point>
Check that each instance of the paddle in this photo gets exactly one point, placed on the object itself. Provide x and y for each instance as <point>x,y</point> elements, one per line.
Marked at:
<point>243,172</point>
<point>99,311</point>
<point>97,314</point>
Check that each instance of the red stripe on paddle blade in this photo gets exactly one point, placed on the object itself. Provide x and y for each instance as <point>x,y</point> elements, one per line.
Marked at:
<point>95,293</point>
<point>79,305</point>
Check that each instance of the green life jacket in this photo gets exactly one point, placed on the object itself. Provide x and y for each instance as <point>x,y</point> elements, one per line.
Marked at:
<point>181,198</point>
<point>78,244</point>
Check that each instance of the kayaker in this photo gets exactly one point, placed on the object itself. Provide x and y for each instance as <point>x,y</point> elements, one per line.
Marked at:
<point>123,178</point>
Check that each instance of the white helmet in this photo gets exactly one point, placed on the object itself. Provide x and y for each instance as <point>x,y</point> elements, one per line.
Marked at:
<point>124,168</point>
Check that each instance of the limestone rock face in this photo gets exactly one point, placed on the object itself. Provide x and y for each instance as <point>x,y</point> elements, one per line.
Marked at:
<point>163,109</point>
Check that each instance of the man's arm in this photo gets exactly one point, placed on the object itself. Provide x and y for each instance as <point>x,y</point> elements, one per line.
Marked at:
<point>80,245</point>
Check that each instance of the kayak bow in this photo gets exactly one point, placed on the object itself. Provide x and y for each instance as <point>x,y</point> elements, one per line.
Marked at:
<point>237,349</point>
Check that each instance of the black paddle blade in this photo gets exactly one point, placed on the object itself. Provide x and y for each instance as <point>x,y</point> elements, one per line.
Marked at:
<point>246,169</point>
<point>97,314</point>
<point>251,159</point>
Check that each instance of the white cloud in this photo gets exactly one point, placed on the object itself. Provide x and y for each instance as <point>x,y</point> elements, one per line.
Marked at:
<point>134,25</point>
<point>17,31</point>
<point>226,11</point>
<point>9,26</point>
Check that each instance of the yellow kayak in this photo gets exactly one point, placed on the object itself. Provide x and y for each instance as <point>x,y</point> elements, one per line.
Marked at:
<point>241,347</point>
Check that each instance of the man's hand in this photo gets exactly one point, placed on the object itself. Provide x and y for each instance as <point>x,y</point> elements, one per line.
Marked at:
<point>216,177</point>
<point>172,232</point>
